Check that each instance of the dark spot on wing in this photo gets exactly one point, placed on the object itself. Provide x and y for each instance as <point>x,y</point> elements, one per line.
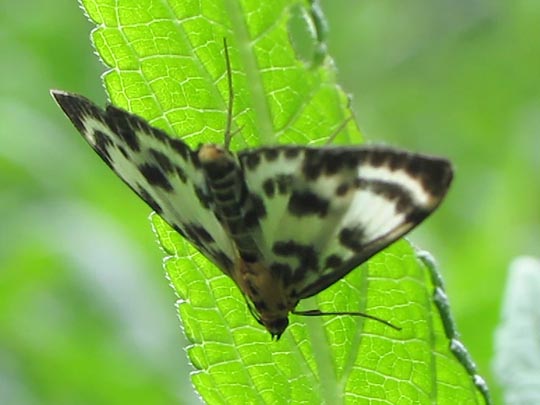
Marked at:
<point>124,152</point>
<point>255,211</point>
<point>159,135</point>
<point>377,157</point>
<point>284,183</point>
<point>203,234</point>
<point>163,161</point>
<point>181,173</point>
<point>417,215</point>
<point>351,238</point>
<point>102,143</point>
<point>223,261</point>
<point>281,271</point>
<point>342,189</point>
<point>252,160</point>
<point>312,166</point>
<point>304,253</point>
<point>361,183</point>
<point>179,230</point>
<point>333,162</point>
<point>286,249</point>
<point>352,159</point>
<point>434,174</point>
<point>333,262</point>
<point>300,273</point>
<point>155,176</point>
<point>149,200</point>
<point>307,203</point>
<point>249,257</point>
<point>125,124</point>
<point>79,109</point>
<point>292,152</point>
<point>396,159</point>
<point>198,235</point>
<point>271,154</point>
<point>101,139</point>
<point>178,146</point>
<point>269,188</point>
<point>195,161</point>
<point>394,193</point>
<point>329,161</point>
<point>192,236</point>
<point>202,196</point>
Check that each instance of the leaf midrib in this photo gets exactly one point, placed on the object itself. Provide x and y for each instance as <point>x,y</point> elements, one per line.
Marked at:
<point>260,106</point>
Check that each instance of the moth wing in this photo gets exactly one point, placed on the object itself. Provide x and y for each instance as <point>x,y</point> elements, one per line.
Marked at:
<point>330,209</point>
<point>162,170</point>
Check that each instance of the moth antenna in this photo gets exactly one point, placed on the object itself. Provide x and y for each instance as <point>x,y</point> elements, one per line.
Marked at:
<point>316,312</point>
<point>228,134</point>
<point>338,130</point>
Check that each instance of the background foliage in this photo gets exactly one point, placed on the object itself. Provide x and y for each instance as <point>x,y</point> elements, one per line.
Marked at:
<point>86,315</point>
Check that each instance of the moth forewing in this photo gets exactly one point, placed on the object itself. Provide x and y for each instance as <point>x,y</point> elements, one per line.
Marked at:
<point>161,170</point>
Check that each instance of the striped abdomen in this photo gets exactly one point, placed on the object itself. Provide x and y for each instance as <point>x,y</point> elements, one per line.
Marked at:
<point>226,185</point>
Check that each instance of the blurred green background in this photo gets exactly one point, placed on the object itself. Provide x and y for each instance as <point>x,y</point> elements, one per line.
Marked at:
<point>86,315</point>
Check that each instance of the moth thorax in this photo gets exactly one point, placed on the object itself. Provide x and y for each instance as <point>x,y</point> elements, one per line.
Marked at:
<point>224,179</point>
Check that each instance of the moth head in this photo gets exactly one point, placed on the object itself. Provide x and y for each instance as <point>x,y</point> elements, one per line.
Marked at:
<point>276,327</point>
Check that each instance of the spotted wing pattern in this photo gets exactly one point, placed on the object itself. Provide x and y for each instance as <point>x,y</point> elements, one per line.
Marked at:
<point>284,222</point>
<point>162,170</point>
<point>330,209</point>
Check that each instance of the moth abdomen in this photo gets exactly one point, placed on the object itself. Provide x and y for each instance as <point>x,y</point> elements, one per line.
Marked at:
<point>227,188</point>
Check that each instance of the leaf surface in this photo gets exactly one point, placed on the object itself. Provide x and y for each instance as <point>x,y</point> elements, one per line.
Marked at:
<point>166,63</point>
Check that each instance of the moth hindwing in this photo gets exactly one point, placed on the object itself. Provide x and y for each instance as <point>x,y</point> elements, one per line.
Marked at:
<point>284,222</point>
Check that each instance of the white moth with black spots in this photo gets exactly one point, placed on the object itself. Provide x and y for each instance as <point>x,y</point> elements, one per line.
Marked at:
<point>284,222</point>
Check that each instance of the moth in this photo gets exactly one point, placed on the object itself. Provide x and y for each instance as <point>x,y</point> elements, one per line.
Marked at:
<point>284,222</point>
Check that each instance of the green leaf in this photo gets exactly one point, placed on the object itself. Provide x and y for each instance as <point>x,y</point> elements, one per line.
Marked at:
<point>166,63</point>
